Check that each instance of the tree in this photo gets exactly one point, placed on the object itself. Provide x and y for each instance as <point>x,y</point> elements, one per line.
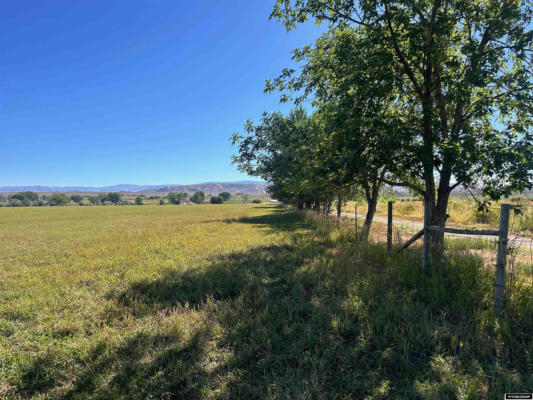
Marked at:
<point>162,202</point>
<point>198,197</point>
<point>113,197</point>
<point>225,195</point>
<point>298,156</point>
<point>176,198</point>
<point>25,197</point>
<point>58,199</point>
<point>464,75</point>
<point>94,200</point>
<point>216,200</point>
<point>139,201</point>
<point>76,198</point>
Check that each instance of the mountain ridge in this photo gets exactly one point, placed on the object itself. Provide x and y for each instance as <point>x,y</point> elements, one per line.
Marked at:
<point>248,187</point>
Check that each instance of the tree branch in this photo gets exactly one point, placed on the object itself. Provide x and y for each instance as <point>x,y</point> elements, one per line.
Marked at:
<point>404,184</point>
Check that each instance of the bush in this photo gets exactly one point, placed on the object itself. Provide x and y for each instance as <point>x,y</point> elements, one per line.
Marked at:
<point>139,201</point>
<point>216,200</point>
<point>162,202</point>
<point>256,201</point>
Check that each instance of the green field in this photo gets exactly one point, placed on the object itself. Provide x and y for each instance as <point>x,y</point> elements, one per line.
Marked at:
<point>242,301</point>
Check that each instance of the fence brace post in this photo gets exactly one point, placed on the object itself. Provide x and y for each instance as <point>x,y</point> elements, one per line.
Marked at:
<point>427,222</point>
<point>499,284</point>
<point>389,226</point>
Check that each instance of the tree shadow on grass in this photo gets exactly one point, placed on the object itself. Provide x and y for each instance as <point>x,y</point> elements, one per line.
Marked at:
<point>280,219</point>
<point>308,319</point>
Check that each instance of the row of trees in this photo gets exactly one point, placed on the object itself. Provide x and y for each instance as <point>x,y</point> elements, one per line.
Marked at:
<point>57,199</point>
<point>28,199</point>
<point>424,95</point>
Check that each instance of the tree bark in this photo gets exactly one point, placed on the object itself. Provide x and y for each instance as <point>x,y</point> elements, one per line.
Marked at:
<point>372,195</point>
<point>370,211</point>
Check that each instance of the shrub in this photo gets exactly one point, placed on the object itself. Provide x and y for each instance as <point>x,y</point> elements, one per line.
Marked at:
<point>256,201</point>
<point>139,201</point>
<point>162,202</point>
<point>216,200</point>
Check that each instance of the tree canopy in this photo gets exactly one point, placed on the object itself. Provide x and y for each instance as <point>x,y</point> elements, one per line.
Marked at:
<point>445,87</point>
<point>198,197</point>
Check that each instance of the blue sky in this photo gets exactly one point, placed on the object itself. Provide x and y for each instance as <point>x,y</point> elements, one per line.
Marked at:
<point>131,91</point>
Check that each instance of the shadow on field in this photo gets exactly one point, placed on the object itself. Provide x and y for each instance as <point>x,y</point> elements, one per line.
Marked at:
<point>280,219</point>
<point>313,318</point>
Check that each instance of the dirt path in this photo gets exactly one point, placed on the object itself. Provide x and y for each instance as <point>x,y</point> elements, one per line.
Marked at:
<point>524,242</point>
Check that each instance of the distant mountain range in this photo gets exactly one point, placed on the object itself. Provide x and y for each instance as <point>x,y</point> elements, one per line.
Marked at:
<point>248,187</point>
<point>212,188</point>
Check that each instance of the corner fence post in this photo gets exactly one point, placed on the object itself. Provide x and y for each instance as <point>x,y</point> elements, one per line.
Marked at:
<point>356,233</point>
<point>427,222</point>
<point>499,284</point>
<point>389,226</point>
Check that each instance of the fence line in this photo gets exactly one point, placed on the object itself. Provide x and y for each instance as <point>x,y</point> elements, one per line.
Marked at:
<point>502,233</point>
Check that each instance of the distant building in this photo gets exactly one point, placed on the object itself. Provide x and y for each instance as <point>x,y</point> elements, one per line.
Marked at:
<point>272,201</point>
<point>186,203</point>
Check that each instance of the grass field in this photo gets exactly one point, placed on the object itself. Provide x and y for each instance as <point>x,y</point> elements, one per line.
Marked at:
<point>243,301</point>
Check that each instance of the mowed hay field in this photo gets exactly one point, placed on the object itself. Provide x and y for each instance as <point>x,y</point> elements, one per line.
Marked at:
<point>242,301</point>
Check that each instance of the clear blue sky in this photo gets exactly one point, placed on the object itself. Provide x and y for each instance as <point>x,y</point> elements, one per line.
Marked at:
<point>131,91</point>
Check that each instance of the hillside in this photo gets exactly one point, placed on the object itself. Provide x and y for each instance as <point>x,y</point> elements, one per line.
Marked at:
<point>212,188</point>
<point>248,187</point>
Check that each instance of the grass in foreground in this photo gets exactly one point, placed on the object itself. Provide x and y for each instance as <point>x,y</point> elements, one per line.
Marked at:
<point>242,302</point>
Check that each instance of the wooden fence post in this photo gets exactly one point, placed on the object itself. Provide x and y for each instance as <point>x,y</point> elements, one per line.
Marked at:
<point>499,284</point>
<point>389,226</point>
<point>427,222</point>
<point>356,233</point>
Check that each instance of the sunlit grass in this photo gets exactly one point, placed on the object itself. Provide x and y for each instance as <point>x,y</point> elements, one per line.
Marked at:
<point>242,301</point>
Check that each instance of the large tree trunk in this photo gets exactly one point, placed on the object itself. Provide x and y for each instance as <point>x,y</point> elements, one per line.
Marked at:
<point>370,211</point>
<point>372,195</point>
<point>438,213</point>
